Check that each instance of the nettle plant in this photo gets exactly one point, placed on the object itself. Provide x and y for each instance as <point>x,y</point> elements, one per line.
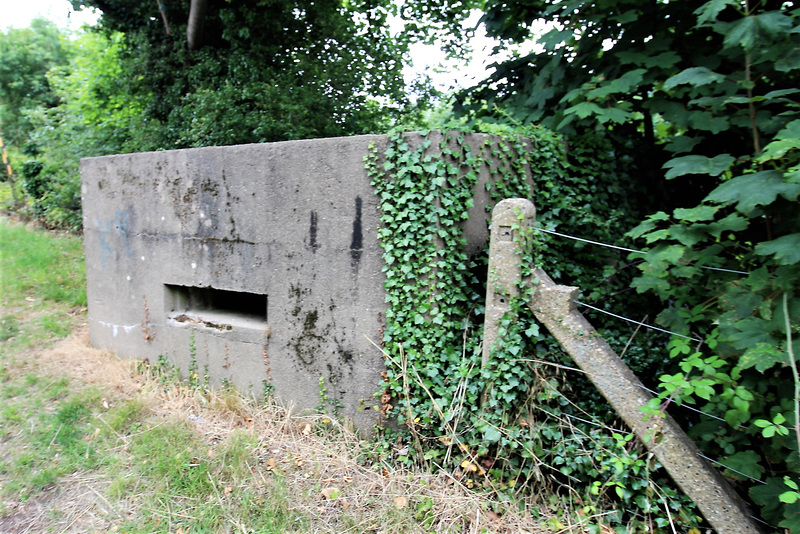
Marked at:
<point>530,426</point>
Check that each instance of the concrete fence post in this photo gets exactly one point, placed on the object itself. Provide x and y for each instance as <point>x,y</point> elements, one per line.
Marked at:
<point>554,306</point>
<point>508,239</point>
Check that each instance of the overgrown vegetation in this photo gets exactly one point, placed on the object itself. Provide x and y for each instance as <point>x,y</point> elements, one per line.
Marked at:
<point>677,122</point>
<point>708,89</point>
<point>308,69</point>
<point>43,286</point>
<point>530,428</point>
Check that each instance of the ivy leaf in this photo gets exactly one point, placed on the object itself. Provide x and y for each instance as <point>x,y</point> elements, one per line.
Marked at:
<point>763,356</point>
<point>532,331</point>
<point>491,435</point>
<point>786,249</point>
<point>695,76</point>
<point>698,165</point>
<point>753,190</point>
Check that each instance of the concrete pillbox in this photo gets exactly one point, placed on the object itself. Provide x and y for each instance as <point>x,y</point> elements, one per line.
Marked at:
<point>260,260</point>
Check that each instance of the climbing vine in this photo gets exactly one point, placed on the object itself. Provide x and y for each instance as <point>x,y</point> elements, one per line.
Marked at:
<point>526,428</point>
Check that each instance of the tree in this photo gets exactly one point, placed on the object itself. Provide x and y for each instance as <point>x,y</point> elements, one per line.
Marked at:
<point>96,116</point>
<point>289,69</point>
<point>25,57</point>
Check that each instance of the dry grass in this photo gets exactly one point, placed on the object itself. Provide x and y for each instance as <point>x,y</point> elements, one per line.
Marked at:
<point>335,481</point>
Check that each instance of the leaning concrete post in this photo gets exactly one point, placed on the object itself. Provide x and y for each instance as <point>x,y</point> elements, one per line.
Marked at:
<point>509,238</point>
<point>554,306</point>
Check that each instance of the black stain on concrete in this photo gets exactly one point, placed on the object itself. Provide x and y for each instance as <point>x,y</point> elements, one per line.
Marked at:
<point>312,232</point>
<point>357,244</point>
<point>310,322</point>
<point>308,345</point>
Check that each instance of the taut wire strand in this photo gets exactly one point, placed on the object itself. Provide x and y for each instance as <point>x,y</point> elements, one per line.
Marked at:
<point>637,322</point>
<point>598,243</point>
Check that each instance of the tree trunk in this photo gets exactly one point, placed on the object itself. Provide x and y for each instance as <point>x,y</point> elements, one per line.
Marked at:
<point>194,29</point>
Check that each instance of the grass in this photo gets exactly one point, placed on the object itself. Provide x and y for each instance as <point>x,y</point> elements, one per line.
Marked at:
<point>42,286</point>
<point>39,266</point>
<point>90,443</point>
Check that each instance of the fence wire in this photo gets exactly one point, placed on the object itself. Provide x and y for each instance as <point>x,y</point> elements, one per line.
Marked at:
<point>730,468</point>
<point>598,243</point>
<point>637,322</point>
<point>630,250</point>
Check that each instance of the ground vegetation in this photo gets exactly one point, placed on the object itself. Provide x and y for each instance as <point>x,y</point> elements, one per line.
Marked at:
<point>704,96</point>
<point>667,127</point>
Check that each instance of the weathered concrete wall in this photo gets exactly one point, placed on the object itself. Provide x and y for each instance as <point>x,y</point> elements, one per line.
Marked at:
<point>265,255</point>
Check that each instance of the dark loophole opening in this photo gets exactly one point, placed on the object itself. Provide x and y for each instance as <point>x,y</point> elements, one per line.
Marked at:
<point>205,302</point>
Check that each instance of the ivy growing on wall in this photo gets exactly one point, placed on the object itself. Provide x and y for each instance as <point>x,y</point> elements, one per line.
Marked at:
<point>527,428</point>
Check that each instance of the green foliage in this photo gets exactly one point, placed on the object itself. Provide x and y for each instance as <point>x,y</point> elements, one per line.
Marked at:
<point>27,56</point>
<point>96,116</point>
<point>264,71</point>
<point>80,109</point>
<point>290,70</point>
<point>43,286</point>
<point>705,91</point>
<point>519,431</point>
<point>56,436</point>
<point>750,230</point>
<point>166,455</point>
